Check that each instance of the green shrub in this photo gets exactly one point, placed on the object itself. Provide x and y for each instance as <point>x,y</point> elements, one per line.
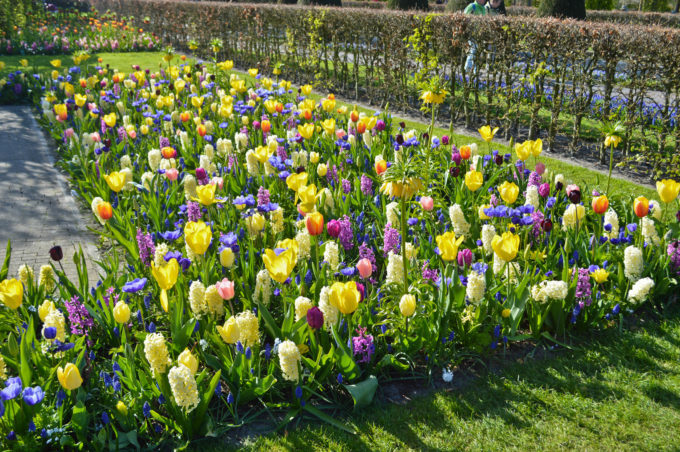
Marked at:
<point>320,2</point>
<point>655,5</point>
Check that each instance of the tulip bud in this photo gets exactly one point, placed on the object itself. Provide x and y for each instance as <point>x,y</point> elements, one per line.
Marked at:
<point>69,377</point>
<point>121,312</point>
<point>600,204</point>
<point>464,258</point>
<point>407,305</point>
<point>365,268</point>
<point>641,206</point>
<point>314,318</point>
<point>314,223</point>
<point>225,288</point>
<point>574,194</point>
<point>498,159</point>
<point>333,228</point>
<point>427,203</point>
<point>456,158</point>
<point>56,253</point>
<point>547,225</point>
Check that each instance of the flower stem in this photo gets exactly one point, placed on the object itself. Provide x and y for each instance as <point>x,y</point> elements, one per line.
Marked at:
<point>403,242</point>
<point>611,160</point>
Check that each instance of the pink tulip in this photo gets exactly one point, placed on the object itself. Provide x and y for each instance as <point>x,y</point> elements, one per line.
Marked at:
<point>217,181</point>
<point>540,168</point>
<point>427,203</point>
<point>171,174</point>
<point>68,133</point>
<point>132,134</point>
<point>464,258</point>
<point>340,133</point>
<point>95,137</point>
<point>365,268</point>
<point>225,288</point>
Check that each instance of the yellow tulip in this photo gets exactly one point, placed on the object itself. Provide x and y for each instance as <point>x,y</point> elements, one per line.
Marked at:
<point>197,101</point>
<point>262,154</point>
<point>110,119</point>
<point>255,224</point>
<point>523,150</point>
<point>197,235</point>
<point>206,194</point>
<point>227,257</point>
<point>307,198</point>
<point>487,134</point>
<point>306,90</point>
<point>306,131</point>
<point>509,192</point>
<point>115,180</point>
<point>279,266</point>
<point>536,147</point>
<point>600,275</point>
<point>69,377</point>
<point>23,62</point>
<point>329,126</point>
<point>188,360</point>
<point>345,296</point>
<point>448,245</point>
<point>122,408</point>
<point>2,65</point>
<point>121,312</point>
<point>45,309</point>
<point>166,277</point>
<point>226,65</point>
<point>289,243</point>
<point>230,332</point>
<point>668,190</point>
<point>473,180</point>
<point>252,72</point>
<point>506,246</point>
<point>314,157</point>
<point>328,105</point>
<point>11,293</point>
<point>80,100</point>
<point>407,305</point>
<point>296,180</point>
<point>480,211</point>
<point>321,170</point>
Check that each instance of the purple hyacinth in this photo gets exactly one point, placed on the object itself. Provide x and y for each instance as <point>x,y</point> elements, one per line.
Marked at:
<point>121,133</point>
<point>78,316</point>
<point>583,292</point>
<point>346,186</point>
<point>537,228</point>
<point>366,185</point>
<point>346,235</point>
<point>163,142</point>
<point>363,346</point>
<point>429,274</point>
<point>392,240</point>
<point>146,247</point>
<point>332,174</point>
<point>193,211</point>
<point>262,196</point>
<point>534,179</point>
<point>674,252</point>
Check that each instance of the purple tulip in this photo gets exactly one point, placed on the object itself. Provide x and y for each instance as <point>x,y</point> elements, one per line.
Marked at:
<point>315,318</point>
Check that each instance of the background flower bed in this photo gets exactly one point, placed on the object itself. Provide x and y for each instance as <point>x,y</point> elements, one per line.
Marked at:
<point>544,74</point>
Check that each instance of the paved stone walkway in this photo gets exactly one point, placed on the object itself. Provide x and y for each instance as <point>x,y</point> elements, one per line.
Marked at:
<point>37,210</point>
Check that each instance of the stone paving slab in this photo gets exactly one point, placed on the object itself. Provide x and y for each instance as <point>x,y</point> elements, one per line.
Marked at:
<point>37,210</point>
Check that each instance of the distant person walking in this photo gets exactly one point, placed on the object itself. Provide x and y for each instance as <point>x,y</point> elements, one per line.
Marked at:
<point>476,8</point>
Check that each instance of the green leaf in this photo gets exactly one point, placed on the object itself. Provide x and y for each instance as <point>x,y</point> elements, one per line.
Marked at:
<point>363,392</point>
<point>269,322</point>
<point>5,264</point>
<point>25,354</point>
<point>343,358</point>
<point>328,419</point>
<point>391,360</point>
<point>79,420</point>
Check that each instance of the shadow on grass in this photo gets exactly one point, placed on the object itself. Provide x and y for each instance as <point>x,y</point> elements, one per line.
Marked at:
<point>601,370</point>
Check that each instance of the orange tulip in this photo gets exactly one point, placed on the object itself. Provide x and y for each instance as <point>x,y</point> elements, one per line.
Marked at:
<point>465,152</point>
<point>168,152</point>
<point>361,127</point>
<point>201,130</point>
<point>185,116</point>
<point>600,204</point>
<point>105,210</point>
<point>380,167</point>
<point>314,223</point>
<point>641,206</point>
<point>266,126</point>
<point>354,116</point>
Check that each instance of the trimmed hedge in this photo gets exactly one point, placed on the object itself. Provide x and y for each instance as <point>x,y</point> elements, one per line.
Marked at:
<point>544,74</point>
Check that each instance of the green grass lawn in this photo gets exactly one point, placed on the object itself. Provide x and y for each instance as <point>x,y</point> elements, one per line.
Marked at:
<point>614,391</point>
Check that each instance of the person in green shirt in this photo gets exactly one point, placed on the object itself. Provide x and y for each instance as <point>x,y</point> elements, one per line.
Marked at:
<point>476,8</point>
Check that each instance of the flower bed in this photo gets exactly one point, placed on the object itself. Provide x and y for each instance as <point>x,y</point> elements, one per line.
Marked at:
<point>70,30</point>
<point>269,246</point>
